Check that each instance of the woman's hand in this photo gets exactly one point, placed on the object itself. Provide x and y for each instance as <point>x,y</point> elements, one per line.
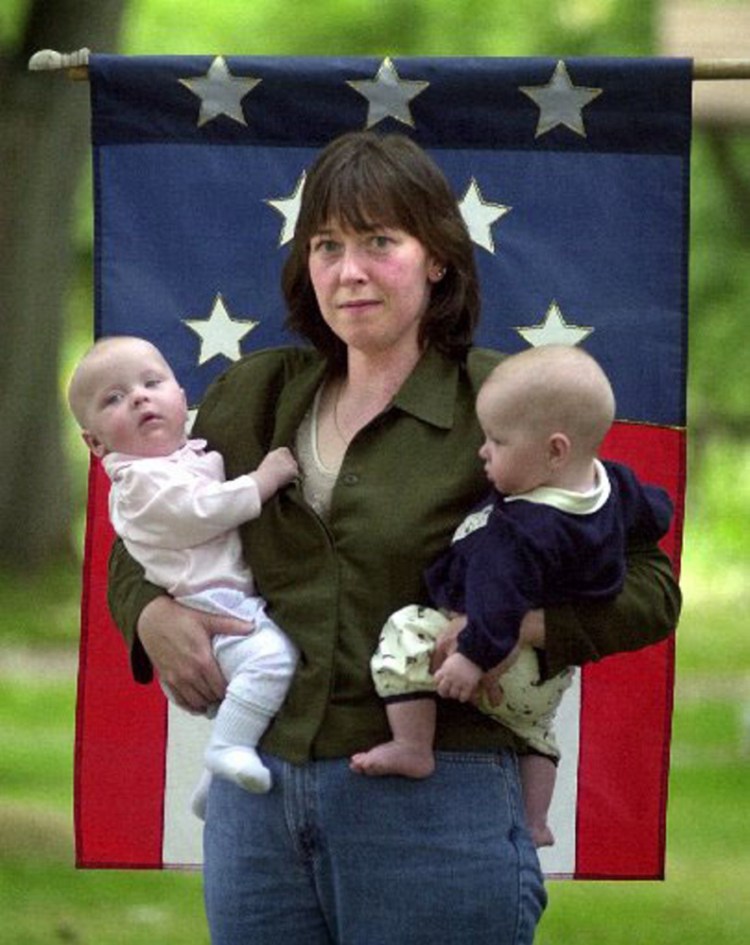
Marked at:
<point>533,629</point>
<point>177,640</point>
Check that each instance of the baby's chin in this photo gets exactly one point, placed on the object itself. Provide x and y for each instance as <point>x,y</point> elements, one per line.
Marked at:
<point>156,447</point>
<point>168,448</point>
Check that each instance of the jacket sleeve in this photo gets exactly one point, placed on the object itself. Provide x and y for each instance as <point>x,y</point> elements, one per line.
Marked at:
<point>128,592</point>
<point>645,612</point>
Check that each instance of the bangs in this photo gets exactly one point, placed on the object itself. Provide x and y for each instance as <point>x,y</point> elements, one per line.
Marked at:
<point>359,198</point>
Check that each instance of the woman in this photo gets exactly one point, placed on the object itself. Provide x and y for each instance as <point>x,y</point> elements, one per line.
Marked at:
<point>380,412</point>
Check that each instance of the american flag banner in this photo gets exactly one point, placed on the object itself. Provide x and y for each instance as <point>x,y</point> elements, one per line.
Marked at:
<point>573,179</point>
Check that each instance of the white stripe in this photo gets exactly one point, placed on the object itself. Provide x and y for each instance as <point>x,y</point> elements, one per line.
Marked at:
<point>186,740</point>
<point>183,832</point>
<point>560,859</point>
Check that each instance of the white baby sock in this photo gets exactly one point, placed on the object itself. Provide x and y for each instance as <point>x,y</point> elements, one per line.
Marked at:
<point>231,752</point>
<point>199,797</point>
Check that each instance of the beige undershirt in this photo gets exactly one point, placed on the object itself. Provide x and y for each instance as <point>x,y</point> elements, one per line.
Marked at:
<point>318,480</point>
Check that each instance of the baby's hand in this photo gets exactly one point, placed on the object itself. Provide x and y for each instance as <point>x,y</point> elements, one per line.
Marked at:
<point>457,678</point>
<point>282,464</point>
<point>276,469</point>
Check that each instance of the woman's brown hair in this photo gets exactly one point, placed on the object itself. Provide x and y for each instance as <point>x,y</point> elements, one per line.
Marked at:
<point>361,180</point>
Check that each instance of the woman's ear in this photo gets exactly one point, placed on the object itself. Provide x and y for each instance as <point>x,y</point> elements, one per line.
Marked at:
<point>435,271</point>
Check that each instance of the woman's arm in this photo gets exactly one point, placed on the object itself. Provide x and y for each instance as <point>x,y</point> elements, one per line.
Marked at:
<point>166,636</point>
<point>128,592</point>
<point>645,612</point>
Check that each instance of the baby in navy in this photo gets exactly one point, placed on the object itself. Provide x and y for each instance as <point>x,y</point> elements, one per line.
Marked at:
<point>553,531</point>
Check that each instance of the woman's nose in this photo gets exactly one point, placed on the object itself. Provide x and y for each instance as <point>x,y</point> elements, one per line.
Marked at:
<point>351,266</point>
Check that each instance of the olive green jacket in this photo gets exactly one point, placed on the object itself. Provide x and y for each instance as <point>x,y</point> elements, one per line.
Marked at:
<point>406,482</point>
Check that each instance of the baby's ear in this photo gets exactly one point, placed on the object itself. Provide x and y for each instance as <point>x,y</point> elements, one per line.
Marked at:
<point>559,449</point>
<point>94,443</point>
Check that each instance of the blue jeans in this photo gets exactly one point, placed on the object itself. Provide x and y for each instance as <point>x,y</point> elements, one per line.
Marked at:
<point>329,857</point>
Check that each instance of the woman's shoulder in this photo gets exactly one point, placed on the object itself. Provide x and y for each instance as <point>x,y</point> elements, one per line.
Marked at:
<point>289,360</point>
<point>253,382</point>
<point>263,368</point>
<point>479,363</point>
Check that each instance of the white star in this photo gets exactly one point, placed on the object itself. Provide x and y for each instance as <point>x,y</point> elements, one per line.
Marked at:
<point>220,333</point>
<point>388,95</point>
<point>220,92</point>
<point>479,215</point>
<point>288,207</point>
<point>560,102</point>
<point>554,330</point>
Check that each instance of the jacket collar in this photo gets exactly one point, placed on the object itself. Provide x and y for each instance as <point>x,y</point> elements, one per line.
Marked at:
<point>295,399</point>
<point>429,394</point>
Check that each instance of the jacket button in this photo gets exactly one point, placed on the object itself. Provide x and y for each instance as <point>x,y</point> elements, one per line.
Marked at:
<point>351,479</point>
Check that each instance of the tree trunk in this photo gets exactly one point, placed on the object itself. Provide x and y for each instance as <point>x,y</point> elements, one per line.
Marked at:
<point>45,121</point>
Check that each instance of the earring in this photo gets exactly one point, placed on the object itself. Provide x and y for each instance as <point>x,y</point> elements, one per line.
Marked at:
<point>437,273</point>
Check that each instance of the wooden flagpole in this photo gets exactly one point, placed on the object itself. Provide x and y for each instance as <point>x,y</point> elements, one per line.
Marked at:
<point>75,65</point>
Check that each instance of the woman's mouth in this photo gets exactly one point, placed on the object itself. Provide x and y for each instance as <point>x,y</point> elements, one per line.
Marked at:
<point>358,305</point>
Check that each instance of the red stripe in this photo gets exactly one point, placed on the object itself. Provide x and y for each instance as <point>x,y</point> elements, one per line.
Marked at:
<point>120,726</point>
<point>626,705</point>
<point>625,723</point>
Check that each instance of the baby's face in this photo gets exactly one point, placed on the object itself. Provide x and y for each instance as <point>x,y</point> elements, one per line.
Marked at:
<point>135,405</point>
<point>515,455</point>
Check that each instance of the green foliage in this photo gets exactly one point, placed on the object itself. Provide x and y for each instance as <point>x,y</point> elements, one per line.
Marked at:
<point>720,286</point>
<point>391,27</point>
<point>721,501</point>
<point>12,15</point>
<point>50,617</point>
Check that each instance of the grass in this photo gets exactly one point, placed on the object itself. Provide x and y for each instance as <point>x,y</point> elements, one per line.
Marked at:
<point>708,832</point>
<point>44,900</point>
<point>708,850</point>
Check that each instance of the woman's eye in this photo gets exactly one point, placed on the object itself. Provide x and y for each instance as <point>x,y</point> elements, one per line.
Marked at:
<point>325,245</point>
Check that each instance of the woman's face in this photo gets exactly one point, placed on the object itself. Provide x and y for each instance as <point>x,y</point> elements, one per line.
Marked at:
<point>372,286</point>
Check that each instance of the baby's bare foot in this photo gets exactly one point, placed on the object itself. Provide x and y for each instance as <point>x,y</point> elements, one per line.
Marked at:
<point>394,758</point>
<point>542,835</point>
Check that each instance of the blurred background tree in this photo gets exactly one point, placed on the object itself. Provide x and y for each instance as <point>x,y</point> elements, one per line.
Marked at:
<point>46,217</point>
<point>42,151</point>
